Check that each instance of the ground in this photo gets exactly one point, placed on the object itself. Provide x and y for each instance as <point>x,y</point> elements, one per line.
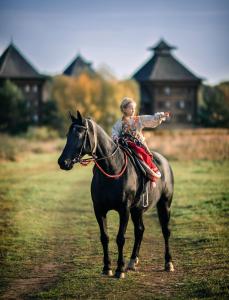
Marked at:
<point>49,238</point>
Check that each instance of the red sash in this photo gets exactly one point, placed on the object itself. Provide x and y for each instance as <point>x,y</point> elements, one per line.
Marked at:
<point>145,156</point>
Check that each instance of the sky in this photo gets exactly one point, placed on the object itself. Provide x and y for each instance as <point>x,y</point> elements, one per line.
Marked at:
<point>117,34</point>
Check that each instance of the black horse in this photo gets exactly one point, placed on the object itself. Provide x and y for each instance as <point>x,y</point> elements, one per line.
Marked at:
<point>120,192</point>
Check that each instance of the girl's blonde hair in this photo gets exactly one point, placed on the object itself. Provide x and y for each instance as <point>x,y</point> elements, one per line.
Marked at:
<point>125,102</point>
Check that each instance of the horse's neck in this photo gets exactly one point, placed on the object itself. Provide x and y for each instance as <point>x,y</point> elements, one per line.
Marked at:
<point>105,148</point>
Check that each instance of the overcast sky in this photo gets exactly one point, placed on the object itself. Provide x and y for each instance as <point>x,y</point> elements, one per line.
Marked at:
<point>117,33</point>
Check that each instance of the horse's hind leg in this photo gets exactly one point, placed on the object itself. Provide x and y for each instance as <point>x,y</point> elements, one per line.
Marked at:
<point>163,208</point>
<point>137,218</point>
<point>102,221</point>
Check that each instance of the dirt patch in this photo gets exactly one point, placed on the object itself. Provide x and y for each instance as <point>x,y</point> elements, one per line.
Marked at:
<point>153,279</point>
<point>40,278</point>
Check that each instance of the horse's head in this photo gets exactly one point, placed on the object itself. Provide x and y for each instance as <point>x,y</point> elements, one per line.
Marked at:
<point>77,143</point>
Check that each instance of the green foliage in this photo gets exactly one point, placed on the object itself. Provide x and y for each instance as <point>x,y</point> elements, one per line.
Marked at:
<point>14,114</point>
<point>214,111</point>
<point>10,147</point>
<point>51,116</point>
<point>41,133</point>
<point>224,87</point>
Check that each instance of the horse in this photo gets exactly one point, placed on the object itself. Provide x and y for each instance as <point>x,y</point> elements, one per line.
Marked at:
<point>115,185</point>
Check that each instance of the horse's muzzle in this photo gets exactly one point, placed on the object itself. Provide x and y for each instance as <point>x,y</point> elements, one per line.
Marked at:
<point>65,164</point>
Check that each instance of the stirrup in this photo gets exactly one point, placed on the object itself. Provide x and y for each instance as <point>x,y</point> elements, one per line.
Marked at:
<point>145,202</point>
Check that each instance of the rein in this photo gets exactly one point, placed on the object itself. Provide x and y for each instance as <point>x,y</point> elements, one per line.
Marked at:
<point>86,161</point>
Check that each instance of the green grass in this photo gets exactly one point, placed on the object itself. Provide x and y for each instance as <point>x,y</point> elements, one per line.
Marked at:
<point>50,246</point>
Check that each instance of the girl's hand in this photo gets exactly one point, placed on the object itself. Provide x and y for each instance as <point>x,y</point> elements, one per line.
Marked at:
<point>168,114</point>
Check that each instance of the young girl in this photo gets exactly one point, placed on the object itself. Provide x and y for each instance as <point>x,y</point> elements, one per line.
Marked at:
<point>130,127</point>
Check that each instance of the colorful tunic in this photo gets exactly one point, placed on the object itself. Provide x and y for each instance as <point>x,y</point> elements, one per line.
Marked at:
<point>133,126</point>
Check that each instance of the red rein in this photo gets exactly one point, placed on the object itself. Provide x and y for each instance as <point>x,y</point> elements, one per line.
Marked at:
<point>87,161</point>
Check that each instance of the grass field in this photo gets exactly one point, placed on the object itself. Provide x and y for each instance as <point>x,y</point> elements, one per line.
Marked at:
<point>49,238</point>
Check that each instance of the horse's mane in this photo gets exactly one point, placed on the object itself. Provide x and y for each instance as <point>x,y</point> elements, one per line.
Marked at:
<point>101,131</point>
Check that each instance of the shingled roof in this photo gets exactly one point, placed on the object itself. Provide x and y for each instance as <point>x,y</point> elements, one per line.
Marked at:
<point>163,66</point>
<point>14,65</point>
<point>78,66</point>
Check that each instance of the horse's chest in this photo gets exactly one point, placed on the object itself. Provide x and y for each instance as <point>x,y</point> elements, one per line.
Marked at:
<point>111,194</point>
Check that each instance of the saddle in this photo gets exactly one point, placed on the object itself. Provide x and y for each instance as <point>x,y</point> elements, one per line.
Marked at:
<point>146,172</point>
<point>136,160</point>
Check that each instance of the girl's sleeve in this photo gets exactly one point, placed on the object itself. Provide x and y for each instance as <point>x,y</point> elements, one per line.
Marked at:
<point>116,130</point>
<point>152,121</point>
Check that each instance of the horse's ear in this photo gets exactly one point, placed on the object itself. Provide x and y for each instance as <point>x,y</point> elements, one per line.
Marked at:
<point>72,117</point>
<point>79,117</point>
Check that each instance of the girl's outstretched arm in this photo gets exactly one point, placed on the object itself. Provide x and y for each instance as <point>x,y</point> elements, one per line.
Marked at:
<point>152,121</point>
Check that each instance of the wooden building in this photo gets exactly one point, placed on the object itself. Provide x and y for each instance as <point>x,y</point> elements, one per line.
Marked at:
<point>78,66</point>
<point>167,85</point>
<point>16,68</point>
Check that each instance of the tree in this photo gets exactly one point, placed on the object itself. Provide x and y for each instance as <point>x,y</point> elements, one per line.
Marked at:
<point>94,97</point>
<point>50,115</point>
<point>14,114</point>
<point>213,112</point>
<point>224,87</point>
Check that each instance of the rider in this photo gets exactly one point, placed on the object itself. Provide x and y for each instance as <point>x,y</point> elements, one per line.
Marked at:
<point>130,128</point>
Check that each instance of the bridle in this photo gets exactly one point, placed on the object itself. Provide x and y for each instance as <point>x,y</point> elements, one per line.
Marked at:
<point>79,157</point>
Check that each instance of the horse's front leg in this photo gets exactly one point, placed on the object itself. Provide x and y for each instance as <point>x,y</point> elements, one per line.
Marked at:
<point>137,218</point>
<point>123,219</point>
<point>102,221</point>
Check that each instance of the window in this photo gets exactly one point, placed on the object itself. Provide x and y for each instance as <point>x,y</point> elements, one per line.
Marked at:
<point>35,118</point>
<point>189,117</point>
<point>164,104</point>
<point>35,88</point>
<point>167,90</point>
<point>182,104</point>
<point>27,88</point>
<point>28,104</point>
<point>167,104</point>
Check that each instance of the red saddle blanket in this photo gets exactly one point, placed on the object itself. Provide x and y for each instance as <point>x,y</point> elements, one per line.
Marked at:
<point>143,155</point>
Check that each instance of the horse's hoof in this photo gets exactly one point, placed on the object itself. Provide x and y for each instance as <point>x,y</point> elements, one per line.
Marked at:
<point>131,268</point>
<point>119,275</point>
<point>169,267</point>
<point>107,273</point>
<point>132,264</point>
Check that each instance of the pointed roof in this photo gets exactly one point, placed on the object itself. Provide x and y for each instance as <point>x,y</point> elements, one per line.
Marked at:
<point>79,65</point>
<point>14,65</point>
<point>163,66</point>
<point>162,47</point>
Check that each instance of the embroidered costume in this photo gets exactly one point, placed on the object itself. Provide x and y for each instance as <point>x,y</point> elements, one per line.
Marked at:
<point>132,127</point>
